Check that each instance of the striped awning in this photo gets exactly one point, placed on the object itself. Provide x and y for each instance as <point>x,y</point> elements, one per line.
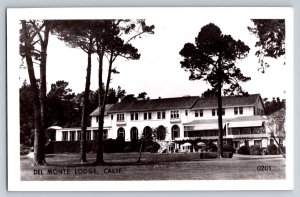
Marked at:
<point>203,127</point>
<point>256,123</point>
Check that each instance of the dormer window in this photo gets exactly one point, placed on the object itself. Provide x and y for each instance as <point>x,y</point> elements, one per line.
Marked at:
<point>241,110</point>
<point>147,116</point>
<point>134,116</point>
<point>235,111</point>
<point>120,117</point>
<point>199,113</point>
<point>174,114</point>
<point>213,112</point>
<point>161,115</point>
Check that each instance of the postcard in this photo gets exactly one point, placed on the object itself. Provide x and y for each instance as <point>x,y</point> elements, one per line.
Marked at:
<point>150,99</point>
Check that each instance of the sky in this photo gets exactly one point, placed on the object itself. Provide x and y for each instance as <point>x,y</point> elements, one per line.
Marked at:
<point>158,72</point>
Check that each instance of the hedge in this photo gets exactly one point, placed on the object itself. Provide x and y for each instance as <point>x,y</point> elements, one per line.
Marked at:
<point>255,150</point>
<point>244,150</point>
<point>110,146</point>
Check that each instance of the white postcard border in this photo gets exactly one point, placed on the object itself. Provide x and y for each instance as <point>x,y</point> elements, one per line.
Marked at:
<point>14,182</point>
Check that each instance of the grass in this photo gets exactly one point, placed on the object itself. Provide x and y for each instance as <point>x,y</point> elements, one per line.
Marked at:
<point>123,166</point>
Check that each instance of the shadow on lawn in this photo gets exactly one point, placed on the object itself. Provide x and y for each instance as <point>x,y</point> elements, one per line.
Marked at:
<point>85,164</point>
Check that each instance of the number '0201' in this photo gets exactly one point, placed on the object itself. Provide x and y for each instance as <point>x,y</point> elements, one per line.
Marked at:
<point>263,168</point>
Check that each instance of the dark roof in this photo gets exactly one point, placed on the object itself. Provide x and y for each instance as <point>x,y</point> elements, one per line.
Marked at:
<point>228,101</point>
<point>186,102</point>
<point>155,104</point>
<point>96,111</point>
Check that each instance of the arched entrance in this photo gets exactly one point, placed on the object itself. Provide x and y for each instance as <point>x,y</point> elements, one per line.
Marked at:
<point>175,132</point>
<point>121,132</point>
<point>161,132</point>
<point>147,133</point>
<point>134,134</point>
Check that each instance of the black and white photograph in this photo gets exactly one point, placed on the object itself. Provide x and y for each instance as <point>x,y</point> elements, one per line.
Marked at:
<point>133,99</point>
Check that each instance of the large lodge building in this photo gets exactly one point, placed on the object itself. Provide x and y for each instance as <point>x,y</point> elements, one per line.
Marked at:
<point>185,118</point>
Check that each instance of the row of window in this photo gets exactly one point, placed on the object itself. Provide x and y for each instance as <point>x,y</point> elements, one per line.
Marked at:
<point>134,116</point>
<point>231,131</point>
<point>147,133</point>
<point>237,110</point>
<point>88,135</point>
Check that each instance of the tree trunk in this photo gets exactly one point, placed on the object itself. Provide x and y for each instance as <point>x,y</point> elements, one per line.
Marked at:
<point>39,132</point>
<point>220,122</point>
<point>85,104</point>
<point>141,148</point>
<point>100,151</point>
<point>43,87</point>
<point>99,157</point>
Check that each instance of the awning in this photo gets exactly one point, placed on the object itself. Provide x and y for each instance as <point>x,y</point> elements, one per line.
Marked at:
<point>203,127</point>
<point>187,144</point>
<point>256,123</point>
<point>201,144</point>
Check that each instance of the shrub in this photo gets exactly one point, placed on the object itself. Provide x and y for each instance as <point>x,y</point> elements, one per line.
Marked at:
<point>149,149</point>
<point>272,149</point>
<point>255,150</point>
<point>127,149</point>
<point>244,150</point>
<point>228,148</point>
<point>227,154</point>
<point>212,147</point>
<point>156,147</point>
<point>208,155</point>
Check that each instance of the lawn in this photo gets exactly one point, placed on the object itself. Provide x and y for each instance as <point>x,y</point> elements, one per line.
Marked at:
<point>123,166</point>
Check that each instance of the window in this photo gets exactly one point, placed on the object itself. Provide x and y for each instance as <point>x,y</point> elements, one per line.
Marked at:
<point>174,114</point>
<point>186,112</point>
<point>121,132</point>
<point>161,115</point>
<point>134,116</point>
<point>72,135</point>
<point>120,117</point>
<point>97,118</point>
<point>235,111</point>
<point>65,136</point>
<point>112,117</point>
<point>105,134</point>
<point>88,135</point>
<point>196,114</point>
<point>175,132</point>
<point>213,112</point>
<point>147,133</point>
<point>95,134</point>
<point>78,135</point>
<point>133,134</point>
<point>201,112</point>
<point>241,110</point>
<point>245,131</point>
<point>147,116</point>
<point>257,143</point>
